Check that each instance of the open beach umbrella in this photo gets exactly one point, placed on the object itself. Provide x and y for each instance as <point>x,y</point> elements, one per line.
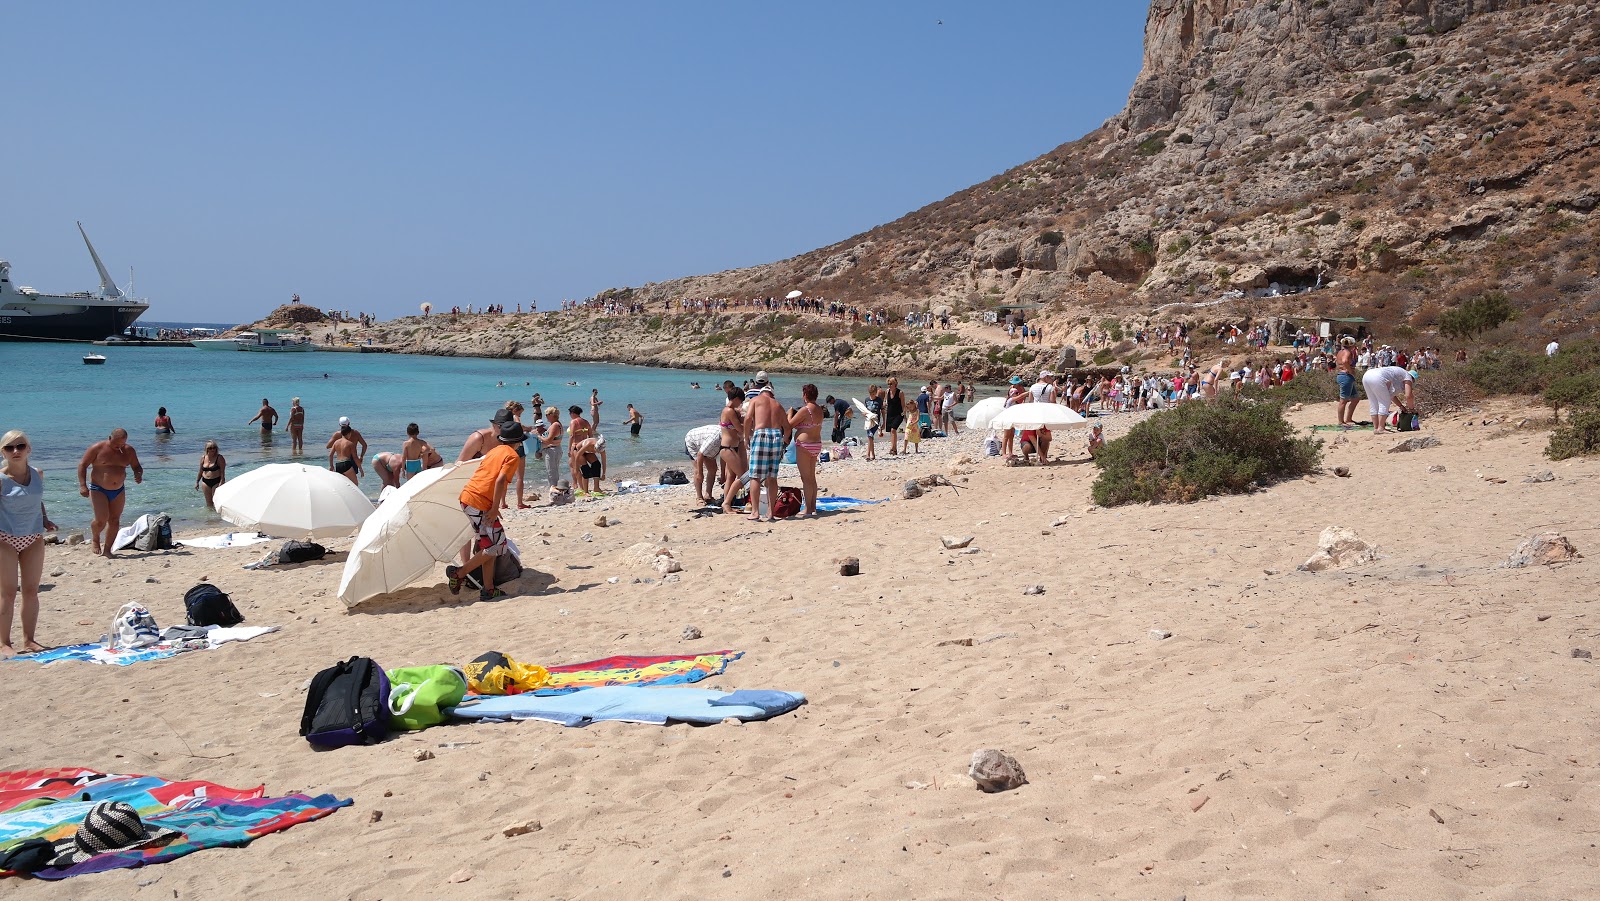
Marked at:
<point>415,527</point>
<point>1036,416</point>
<point>794,294</point>
<point>982,413</point>
<point>293,500</point>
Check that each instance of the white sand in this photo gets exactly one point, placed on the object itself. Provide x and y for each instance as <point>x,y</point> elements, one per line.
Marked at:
<point>1322,716</point>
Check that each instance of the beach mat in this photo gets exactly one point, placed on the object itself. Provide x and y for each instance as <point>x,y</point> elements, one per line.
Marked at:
<point>669,669</point>
<point>1334,428</point>
<point>655,706</point>
<point>832,504</point>
<point>98,653</point>
<point>208,815</point>
<point>231,539</point>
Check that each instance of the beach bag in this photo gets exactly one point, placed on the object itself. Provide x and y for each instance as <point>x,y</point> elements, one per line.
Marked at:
<point>674,477</point>
<point>841,452</point>
<point>789,502</point>
<point>300,552</point>
<point>496,674</point>
<point>507,567</point>
<point>347,704</point>
<point>132,627</point>
<point>991,446</point>
<point>420,695</point>
<point>207,605</point>
<point>1406,421</point>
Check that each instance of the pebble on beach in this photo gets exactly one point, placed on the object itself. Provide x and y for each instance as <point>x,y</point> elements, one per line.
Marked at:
<point>995,771</point>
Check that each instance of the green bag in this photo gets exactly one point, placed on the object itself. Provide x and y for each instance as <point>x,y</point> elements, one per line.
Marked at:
<point>420,695</point>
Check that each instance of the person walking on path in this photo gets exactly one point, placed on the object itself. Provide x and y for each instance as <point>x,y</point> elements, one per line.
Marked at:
<point>23,523</point>
<point>103,478</point>
<point>481,499</point>
<point>767,431</point>
<point>267,416</point>
<point>213,472</point>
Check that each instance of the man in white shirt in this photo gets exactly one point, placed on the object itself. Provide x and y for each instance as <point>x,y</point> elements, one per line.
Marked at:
<point>1551,348</point>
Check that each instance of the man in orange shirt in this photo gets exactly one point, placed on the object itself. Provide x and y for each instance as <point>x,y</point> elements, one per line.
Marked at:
<point>480,500</point>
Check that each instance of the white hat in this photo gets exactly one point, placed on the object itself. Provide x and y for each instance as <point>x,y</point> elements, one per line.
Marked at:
<point>344,420</point>
<point>599,442</point>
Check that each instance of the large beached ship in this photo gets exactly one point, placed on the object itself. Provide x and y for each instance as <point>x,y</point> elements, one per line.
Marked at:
<point>27,315</point>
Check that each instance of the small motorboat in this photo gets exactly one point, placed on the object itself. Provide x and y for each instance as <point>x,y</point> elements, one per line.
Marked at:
<point>94,359</point>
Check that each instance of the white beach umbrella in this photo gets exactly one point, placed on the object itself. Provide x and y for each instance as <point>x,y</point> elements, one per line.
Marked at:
<point>1036,416</point>
<point>982,413</point>
<point>293,500</point>
<point>794,294</point>
<point>415,527</point>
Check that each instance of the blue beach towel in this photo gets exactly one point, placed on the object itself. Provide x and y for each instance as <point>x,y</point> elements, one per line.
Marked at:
<point>629,704</point>
<point>842,503</point>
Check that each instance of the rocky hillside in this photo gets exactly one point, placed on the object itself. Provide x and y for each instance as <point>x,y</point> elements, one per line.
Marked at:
<point>1414,154</point>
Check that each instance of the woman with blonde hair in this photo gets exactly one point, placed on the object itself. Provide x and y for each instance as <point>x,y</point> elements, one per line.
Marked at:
<point>22,526</point>
<point>213,472</point>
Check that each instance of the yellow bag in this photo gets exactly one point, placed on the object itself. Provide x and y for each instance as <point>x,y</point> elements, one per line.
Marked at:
<point>496,674</point>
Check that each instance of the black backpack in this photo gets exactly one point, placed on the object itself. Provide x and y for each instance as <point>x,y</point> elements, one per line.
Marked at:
<point>300,552</point>
<point>207,605</point>
<point>347,704</point>
<point>674,477</point>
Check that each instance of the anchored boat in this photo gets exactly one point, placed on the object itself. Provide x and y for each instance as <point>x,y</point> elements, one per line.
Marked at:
<point>28,315</point>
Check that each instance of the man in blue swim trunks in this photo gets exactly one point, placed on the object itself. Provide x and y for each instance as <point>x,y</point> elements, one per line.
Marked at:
<point>1345,363</point>
<point>103,479</point>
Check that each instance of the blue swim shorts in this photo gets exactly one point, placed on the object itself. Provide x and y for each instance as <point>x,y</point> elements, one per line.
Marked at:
<point>1347,386</point>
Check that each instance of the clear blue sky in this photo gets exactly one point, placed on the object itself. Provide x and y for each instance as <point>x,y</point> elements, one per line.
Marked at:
<point>374,156</point>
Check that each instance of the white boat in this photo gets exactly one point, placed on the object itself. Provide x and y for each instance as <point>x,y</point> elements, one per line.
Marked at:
<point>264,341</point>
<point>270,340</point>
<point>93,359</point>
<point>28,315</point>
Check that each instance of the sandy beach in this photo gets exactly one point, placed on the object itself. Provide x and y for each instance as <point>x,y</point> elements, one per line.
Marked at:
<point>1416,727</point>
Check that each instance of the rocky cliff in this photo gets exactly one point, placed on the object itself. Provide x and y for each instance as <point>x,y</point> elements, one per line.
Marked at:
<point>1414,153</point>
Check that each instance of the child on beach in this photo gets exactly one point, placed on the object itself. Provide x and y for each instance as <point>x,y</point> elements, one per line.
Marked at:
<point>914,432</point>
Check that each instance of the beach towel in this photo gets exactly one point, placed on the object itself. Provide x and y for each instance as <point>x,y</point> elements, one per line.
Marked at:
<point>208,815</point>
<point>657,706</point>
<point>231,539</point>
<point>672,669</point>
<point>843,503</point>
<point>98,653</point>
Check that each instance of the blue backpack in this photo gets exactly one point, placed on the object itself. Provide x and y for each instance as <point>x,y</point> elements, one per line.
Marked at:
<point>347,704</point>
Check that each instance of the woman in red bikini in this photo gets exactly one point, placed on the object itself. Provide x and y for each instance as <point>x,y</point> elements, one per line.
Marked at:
<point>807,425</point>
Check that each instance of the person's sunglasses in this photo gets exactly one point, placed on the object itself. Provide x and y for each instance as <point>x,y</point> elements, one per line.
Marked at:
<point>16,447</point>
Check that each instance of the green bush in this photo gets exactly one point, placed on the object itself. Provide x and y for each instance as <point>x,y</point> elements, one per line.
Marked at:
<point>1199,449</point>
<point>1052,238</point>
<point>1506,370</point>
<point>1578,438</point>
<point>1104,356</point>
<point>1580,389</point>
<point>1476,316</point>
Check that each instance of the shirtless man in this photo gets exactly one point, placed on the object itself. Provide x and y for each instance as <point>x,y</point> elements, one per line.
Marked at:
<point>342,457</point>
<point>297,428</point>
<point>1345,363</point>
<point>267,416</point>
<point>103,479</point>
<point>578,431</point>
<point>346,430</point>
<point>766,430</point>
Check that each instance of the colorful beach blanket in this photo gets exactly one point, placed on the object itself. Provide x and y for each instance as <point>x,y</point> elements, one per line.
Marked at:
<point>842,503</point>
<point>96,653</point>
<point>670,669</point>
<point>656,706</point>
<point>49,804</point>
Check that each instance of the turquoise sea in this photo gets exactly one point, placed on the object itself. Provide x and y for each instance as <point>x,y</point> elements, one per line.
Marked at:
<point>65,406</point>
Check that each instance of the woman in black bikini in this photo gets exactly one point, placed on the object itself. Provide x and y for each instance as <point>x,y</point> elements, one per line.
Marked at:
<point>213,472</point>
